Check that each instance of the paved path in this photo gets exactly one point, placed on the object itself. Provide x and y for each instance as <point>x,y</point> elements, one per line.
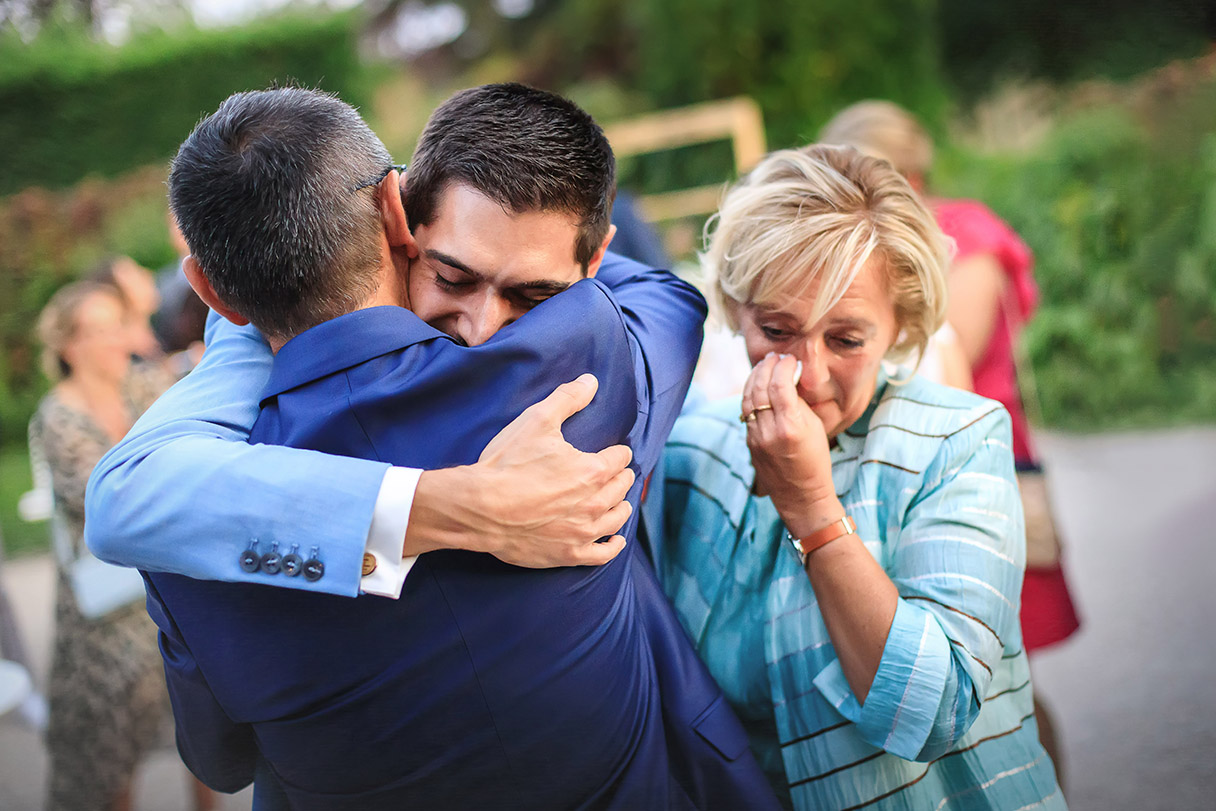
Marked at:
<point>161,782</point>
<point>1133,690</point>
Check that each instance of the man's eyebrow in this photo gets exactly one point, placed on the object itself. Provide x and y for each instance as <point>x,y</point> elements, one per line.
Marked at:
<point>542,286</point>
<point>453,262</point>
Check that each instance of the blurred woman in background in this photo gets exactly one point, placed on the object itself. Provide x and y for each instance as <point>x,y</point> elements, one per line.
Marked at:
<point>137,286</point>
<point>106,692</point>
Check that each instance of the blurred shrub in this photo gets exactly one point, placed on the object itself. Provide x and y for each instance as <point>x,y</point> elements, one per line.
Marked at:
<point>46,240</point>
<point>983,43</point>
<point>801,61</point>
<point>72,108</point>
<point>1119,206</point>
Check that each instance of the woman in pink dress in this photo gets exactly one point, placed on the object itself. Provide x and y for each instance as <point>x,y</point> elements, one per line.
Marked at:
<point>992,296</point>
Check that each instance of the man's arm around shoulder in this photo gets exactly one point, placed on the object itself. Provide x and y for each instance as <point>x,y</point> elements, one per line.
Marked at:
<point>185,493</point>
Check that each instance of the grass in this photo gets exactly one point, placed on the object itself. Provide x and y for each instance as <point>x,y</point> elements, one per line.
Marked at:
<point>20,538</point>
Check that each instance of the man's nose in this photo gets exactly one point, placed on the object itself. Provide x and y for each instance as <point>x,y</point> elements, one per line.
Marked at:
<point>490,315</point>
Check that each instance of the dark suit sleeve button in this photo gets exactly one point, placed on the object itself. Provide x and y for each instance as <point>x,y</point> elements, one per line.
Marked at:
<point>271,561</point>
<point>250,561</point>
<point>292,564</point>
<point>314,570</point>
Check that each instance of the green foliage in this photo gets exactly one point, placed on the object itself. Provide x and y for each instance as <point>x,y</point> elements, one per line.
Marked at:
<point>48,239</point>
<point>19,537</point>
<point>801,61</point>
<point>74,108</point>
<point>1120,210</point>
<point>983,43</point>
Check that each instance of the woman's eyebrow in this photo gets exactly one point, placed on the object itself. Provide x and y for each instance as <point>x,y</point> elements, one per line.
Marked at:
<point>850,322</point>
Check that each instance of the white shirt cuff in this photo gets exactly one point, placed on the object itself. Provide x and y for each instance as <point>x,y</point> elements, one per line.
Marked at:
<point>386,536</point>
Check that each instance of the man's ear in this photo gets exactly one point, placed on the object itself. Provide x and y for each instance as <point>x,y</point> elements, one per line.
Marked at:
<point>597,258</point>
<point>194,275</point>
<point>391,194</point>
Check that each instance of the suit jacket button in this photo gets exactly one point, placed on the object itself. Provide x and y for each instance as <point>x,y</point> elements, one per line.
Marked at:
<point>314,570</point>
<point>292,563</point>
<point>369,563</point>
<point>271,561</point>
<point>250,561</point>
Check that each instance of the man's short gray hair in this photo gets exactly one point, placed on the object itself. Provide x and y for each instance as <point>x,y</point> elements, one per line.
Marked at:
<point>275,194</point>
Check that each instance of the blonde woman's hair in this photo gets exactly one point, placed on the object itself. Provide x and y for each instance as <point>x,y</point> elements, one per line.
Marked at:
<point>57,322</point>
<point>818,214</point>
<point>884,130</point>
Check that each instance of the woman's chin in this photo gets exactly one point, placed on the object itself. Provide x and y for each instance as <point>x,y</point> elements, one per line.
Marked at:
<point>829,414</point>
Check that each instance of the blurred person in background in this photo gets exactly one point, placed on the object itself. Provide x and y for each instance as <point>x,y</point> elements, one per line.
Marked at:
<point>107,689</point>
<point>848,559</point>
<point>992,296</point>
<point>636,238</point>
<point>182,317</point>
<point>137,287</point>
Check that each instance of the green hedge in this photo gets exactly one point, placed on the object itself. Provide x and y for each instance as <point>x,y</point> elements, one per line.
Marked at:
<point>986,43</point>
<point>1119,206</point>
<point>72,108</point>
<point>802,61</point>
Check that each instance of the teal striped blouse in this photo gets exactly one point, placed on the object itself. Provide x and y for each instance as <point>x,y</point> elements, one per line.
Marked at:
<point>927,474</point>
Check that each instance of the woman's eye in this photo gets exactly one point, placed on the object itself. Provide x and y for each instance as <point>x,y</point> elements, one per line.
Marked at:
<point>774,334</point>
<point>845,342</point>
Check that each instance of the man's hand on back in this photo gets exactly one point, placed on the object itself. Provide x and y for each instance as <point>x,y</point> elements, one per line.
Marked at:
<point>532,499</point>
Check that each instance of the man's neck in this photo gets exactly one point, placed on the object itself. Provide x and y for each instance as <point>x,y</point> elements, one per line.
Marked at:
<point>389,292</point>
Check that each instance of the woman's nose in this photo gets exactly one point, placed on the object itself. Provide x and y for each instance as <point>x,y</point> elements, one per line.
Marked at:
<point>813,356</point>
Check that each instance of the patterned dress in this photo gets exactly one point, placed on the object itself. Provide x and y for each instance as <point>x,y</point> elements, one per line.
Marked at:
<point>927,474</point>
<point>107,687</point>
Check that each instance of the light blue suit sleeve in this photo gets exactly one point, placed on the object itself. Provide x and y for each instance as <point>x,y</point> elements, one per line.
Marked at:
<point>184,493</point>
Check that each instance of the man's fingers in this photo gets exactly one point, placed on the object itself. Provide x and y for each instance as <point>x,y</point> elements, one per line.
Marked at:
<point>611,494</point>
<point>612,521</point>
<point>597,554</point>
<point>620,485</point>
<point>614,459</point>
<point>567,400</point>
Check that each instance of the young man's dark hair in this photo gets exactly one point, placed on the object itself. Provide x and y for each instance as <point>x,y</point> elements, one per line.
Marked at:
<point>526,149</point>
<point>275,193</point>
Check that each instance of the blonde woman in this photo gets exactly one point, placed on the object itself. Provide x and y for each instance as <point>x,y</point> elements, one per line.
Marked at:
<point>844,549</point>
<point>107,689</point>
<point>992,295</point>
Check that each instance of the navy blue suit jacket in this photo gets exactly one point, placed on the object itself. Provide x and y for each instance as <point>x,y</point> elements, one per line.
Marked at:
<point>484,685</point>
